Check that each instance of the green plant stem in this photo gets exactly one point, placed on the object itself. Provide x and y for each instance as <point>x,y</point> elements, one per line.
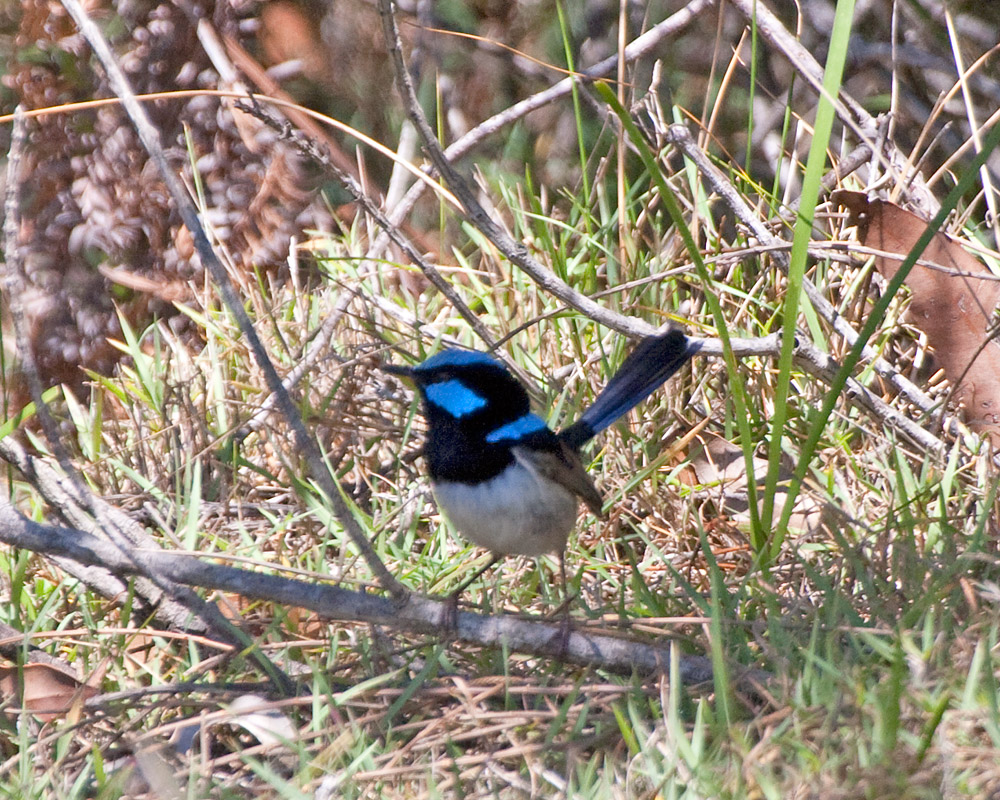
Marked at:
<point>736,387</point>
<point>811,186</point>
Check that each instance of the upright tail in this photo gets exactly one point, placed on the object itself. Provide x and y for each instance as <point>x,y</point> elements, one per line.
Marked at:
<point>652,362</point>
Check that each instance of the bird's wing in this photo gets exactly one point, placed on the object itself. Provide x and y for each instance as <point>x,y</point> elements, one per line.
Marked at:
<point>562,466</point>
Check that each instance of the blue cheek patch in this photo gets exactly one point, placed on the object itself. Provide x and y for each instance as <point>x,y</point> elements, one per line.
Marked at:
<point>516,430</point>
<point>454,397</point>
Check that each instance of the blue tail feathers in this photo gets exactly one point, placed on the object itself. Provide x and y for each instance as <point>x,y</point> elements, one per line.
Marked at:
<point>647,367</point>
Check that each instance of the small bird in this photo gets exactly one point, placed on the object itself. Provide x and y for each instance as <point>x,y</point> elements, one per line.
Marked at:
<point>499,473</point>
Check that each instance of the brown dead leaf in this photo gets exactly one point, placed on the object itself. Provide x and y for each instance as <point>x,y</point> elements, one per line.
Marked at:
<point>718,462</point>
<point>46,691</point>
<point>955,311</point>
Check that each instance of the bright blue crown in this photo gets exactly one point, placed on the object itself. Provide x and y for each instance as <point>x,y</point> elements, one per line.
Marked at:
<point>457,358</point>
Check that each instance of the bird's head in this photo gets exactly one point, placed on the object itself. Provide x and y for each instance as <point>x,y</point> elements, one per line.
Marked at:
<point>466,386</point>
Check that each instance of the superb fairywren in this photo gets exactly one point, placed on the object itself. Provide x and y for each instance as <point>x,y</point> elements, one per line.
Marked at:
<point>504,479</point>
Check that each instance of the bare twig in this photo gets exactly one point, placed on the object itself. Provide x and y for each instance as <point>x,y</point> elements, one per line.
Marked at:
<point>773,31</point>
<point>311,148</point>
<point>641,46</point>
<point>813,361</point>
<point>68,494</point>
<point>680,136</point>
<point>14,286</point>
<point>53,488</point>
<point>851,113</point>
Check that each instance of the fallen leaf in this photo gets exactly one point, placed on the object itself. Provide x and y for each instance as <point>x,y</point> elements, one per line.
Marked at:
<point>262,719</point>
<point>718,462</point>
<point>951,305</point>
<point>47,692</point>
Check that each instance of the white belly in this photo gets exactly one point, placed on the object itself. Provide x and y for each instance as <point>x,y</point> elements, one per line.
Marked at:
<point>517,512</point>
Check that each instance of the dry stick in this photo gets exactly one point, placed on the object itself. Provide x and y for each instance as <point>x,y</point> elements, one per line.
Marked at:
<point>813,361</point>
<point>847,165</point>
<point>163,598</point>
<point>54,488</point>
<point>419,615</point>
<point>819,364</point>
<point>304,444</point>
<point>14,285</point>
<point>680,136</point>
<point>514,251</point>
<point>641,46</point>
<point>772,30</point>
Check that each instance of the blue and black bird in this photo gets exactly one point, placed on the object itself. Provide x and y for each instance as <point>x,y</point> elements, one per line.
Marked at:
<point>503,478</point>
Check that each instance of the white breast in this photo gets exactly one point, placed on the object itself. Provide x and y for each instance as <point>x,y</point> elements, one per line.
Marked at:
<point>518,511</point>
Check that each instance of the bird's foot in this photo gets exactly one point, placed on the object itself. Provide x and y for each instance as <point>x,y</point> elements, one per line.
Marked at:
<point>449,614</point>
<point>561,637</point>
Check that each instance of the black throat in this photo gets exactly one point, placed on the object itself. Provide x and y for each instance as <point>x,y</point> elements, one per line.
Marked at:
<point>456,448</point>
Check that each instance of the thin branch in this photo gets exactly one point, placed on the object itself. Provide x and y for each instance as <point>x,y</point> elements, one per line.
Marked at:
<point>68,494</point>
<point>643,45</point>
<point>851,113</point>
<point>813,361</point>
<point>14,287</point>
<point>51,486</point>
<point>679,136</point>
<point>312,149</point>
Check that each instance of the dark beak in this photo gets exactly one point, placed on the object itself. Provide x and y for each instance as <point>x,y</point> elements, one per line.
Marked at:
<point>392,369</point>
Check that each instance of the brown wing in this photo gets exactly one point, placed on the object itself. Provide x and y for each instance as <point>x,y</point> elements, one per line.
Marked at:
<point>563,467</point>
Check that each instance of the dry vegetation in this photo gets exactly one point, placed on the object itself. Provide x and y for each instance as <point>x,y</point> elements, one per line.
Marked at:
<point>840,643</point>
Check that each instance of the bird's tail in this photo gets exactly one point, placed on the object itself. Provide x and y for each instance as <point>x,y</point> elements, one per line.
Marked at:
<point>652,362</point>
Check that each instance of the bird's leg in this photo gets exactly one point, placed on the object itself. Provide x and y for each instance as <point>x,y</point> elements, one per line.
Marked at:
<point>563,607</point>
<point>449,620</point>
<point>565,627</point>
